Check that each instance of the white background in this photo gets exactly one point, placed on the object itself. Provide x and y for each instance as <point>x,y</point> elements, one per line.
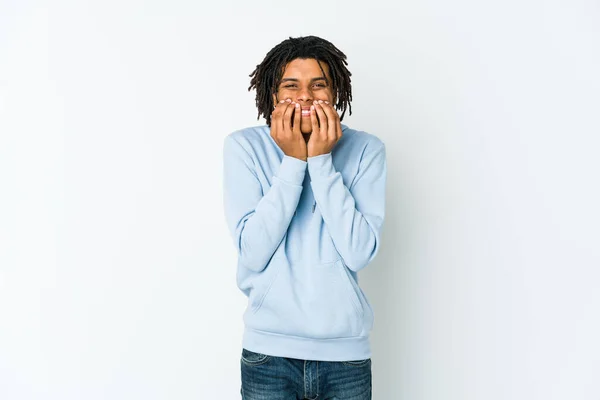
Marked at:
<point>117,272</point>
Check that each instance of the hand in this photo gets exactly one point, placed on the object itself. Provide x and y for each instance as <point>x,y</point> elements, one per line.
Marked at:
<point>326,131</point>
<point>288,138</point>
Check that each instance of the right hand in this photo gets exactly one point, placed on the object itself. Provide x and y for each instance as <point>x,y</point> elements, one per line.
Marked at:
<point>288,138</point>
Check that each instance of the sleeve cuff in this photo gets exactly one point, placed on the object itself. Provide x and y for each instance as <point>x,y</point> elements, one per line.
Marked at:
<point>292,170</point>
<point>321,165</point>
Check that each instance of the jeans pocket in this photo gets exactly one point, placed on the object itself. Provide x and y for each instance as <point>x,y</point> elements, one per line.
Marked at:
<point>357,363</point>
<point>252,359</point>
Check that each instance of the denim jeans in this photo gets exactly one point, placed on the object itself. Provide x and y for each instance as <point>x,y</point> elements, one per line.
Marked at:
<point>278,378</point>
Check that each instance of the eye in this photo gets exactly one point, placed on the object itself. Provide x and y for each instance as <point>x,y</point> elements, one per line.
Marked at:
<point>290,86</point>
<point>320,84</point>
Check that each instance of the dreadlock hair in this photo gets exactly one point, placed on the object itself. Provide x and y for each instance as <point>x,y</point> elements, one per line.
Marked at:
<point>268,74</point>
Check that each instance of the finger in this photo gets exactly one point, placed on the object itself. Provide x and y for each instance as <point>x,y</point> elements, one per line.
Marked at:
<point>282,104</point>
<point>276,122</point>
<point>322,121</point>
<point>313,120</point>
<point>332,121</point>
<point>338,124</point>
<point>287,117</point>
<point>297,119</point>
<point>282,108</point>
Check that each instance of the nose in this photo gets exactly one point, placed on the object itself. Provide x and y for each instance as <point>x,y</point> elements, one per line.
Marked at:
<point>304,95</point>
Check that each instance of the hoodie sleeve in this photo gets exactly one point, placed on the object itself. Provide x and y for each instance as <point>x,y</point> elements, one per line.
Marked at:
<point>258,222</point>
<point>354,216</point>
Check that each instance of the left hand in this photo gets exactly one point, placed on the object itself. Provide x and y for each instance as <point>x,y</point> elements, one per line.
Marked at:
<point>326,131</point>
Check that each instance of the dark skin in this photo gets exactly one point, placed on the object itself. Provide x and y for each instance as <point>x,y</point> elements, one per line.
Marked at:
<point>316,130</point>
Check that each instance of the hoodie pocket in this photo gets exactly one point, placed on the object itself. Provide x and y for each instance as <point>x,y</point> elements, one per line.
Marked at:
<point>262,287</point>
<point>311,301</point>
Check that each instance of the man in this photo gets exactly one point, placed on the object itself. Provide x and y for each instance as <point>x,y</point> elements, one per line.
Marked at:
<point>304,200</point>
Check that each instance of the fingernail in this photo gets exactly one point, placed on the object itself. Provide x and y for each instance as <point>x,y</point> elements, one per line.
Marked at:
<point>282,101</point>
<point>320,101</point>
<point>326,102</point>
<point>289,100</point>
<point>312,107</point>
<point>297,105</point>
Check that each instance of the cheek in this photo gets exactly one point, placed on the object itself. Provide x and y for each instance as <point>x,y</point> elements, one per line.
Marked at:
<point>283,94</point>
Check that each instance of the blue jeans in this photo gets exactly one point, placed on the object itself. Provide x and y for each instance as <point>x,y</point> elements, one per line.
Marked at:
<point>278,378</point>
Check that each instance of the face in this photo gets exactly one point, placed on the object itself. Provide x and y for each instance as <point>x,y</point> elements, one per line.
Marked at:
<point>303,82</point>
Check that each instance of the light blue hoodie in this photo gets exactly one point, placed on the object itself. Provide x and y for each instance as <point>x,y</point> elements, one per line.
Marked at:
<point>302,230</point>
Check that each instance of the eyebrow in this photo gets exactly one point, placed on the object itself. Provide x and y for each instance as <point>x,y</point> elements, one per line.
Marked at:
<point>320,78</point>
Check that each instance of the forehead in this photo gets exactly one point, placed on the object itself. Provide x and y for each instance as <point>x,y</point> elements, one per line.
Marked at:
<point>305,68</point>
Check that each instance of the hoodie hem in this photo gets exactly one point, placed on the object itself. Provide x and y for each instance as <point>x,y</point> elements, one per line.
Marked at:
<point>278,345</point>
